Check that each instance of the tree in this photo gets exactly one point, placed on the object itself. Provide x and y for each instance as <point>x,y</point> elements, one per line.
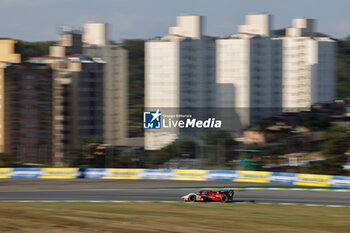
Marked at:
<point>136,51</point>
<point>343,69</point>
<point>161,156</point>
<point>273,153</point>
<point>263,125</point>
<point>315,121</point>
<point>218,148</point>
<point>337,142</point>
<point>33,49</point>
<point>7,160</point>
<point>183,148</point>
<point>279,32</point>
<point>77,156</point>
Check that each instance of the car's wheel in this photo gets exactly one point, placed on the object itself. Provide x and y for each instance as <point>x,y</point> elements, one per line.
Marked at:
<point>231,194</point>
<point>192,198</point>
<point>224,199</point>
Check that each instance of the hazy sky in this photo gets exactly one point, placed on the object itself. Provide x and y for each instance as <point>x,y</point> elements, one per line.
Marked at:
<point>37,20</point>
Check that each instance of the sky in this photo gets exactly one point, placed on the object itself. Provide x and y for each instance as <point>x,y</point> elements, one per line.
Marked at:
<point>39,20</point>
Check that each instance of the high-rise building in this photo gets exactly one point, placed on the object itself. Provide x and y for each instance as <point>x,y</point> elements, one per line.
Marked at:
<point>308,66</point>
<point>69,42</point>
<point>115,89</point>
<point>96,34</point>
<point>28,114</point>
<point>89,90</point>
<point>179,73</point>
<point>249,71</point>
<point>7,55</point>
<point>77,103</point>
<point>84,98</point>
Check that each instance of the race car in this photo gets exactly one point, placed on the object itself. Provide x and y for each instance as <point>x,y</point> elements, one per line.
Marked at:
<point>209,195</point>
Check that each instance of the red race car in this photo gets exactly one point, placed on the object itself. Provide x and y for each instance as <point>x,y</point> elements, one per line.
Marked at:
<point>209,195</point>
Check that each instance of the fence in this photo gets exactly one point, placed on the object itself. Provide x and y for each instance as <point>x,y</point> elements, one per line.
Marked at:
<point>179,174</point>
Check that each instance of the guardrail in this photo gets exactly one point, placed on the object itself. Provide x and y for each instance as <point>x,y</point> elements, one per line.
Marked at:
<point>179,174</point>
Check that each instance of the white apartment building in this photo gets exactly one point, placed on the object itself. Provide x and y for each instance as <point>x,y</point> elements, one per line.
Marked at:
<point>249,71</point>
<point>253,73</point>
<point>179,73</point>
<point>308,66</point>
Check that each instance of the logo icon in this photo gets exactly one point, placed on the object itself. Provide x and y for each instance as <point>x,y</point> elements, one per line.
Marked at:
<point>151,120</point>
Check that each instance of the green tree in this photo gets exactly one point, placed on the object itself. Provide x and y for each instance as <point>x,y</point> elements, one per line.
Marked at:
<point>272,152</point>
<point>78,156</point>
<point>337,142</point>
<point>136,51</point>
<point>183,148</point>
<point>263,125</point>
<point>218,148</point>
<point>7,160</point>
<point>33,49</point>
<point>315,121</point>
<point>279,32</point>
<point>343,69</point>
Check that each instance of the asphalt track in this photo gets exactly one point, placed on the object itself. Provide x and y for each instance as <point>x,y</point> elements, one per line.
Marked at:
<point>157,191</point>
<point>280,196</point>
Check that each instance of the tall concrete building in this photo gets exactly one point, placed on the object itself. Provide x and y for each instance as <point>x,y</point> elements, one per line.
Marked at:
<point>308,66</point>
<point>69,42</point>
<point>96,34</point>
<point>179,73</point>
<point>96,43</point>
<point>253,72</point>
<point>7,55</point>
<point>89,90</point>
<point>28,112</point>
<point>249,71</point>
<point>77,101</point>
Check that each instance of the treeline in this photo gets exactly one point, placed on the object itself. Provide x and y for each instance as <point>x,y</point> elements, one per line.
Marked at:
<point>343,69</point>
<point>33,49</point>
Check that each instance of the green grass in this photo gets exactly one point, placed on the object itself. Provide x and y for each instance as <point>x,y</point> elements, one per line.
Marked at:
<point>169,217</point>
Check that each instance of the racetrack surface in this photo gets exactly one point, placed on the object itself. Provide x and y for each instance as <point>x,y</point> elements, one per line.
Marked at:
<point>151,190</point>
<point>70,184</point>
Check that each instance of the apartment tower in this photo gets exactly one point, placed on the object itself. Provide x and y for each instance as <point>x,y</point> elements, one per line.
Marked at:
<point>179,74</point>
<point>249,71</point>
<point>308,66</point>
<point>7,55</point>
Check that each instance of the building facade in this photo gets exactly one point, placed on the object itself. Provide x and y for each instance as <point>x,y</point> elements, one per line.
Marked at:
<point>250,75</point>
<point>309,73</point>
<point>89,90</point>
<point>179,74</point>
<point>249,71</point>
<point>7,55</point>
<point>28,112</point>
<point>115,90</point>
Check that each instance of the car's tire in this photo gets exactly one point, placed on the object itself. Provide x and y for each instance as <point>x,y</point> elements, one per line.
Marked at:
<point>224,198</point>
<point>231,194</point>
<point>192,198</point>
